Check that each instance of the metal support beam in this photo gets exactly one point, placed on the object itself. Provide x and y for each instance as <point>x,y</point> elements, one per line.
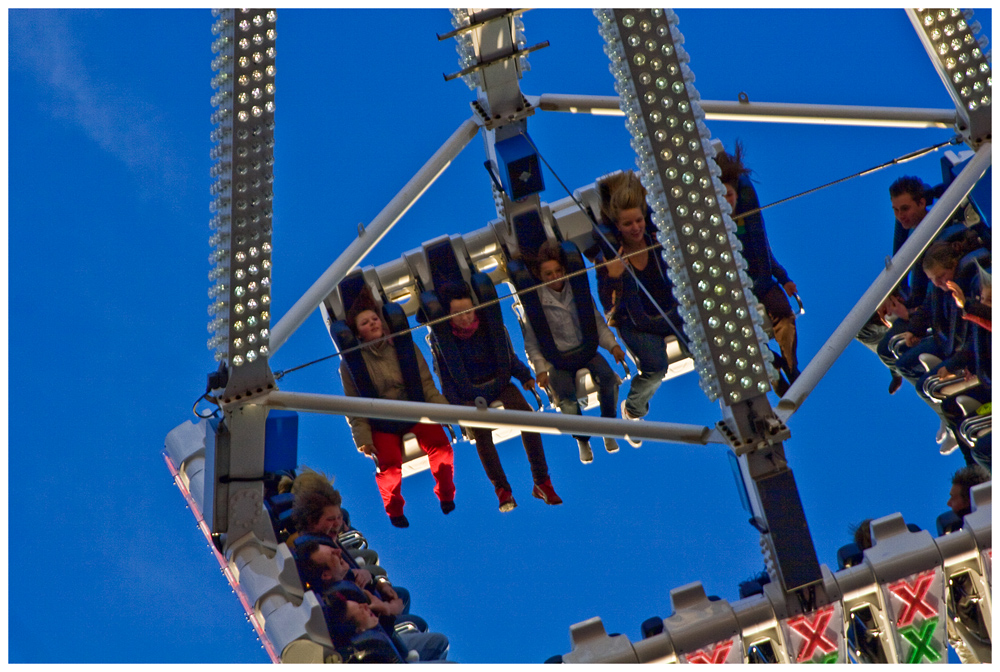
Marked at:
<point>373,233</point>
<point>792,113</point>
<point>900,264</point>
<point>491,418</point>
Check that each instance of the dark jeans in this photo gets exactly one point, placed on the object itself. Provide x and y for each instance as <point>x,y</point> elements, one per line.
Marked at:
<point>981,452</point>
<point>871,335</point>
<point>563,384</point>
<point>650,353</point>
<point>431,646</point>
<point>512,400</point>
<point>908,364</point>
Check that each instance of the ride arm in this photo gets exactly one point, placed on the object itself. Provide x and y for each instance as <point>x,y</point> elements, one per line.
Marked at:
<point>360,427</point>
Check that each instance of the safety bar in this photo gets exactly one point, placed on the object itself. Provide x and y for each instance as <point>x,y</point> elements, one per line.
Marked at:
<point>467,416</point>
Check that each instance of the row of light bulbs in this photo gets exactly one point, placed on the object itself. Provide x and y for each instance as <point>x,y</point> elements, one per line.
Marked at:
<point>674,160</point>
<point>242,193</point>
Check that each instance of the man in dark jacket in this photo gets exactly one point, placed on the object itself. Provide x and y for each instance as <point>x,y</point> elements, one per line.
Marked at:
<point>357,629</point>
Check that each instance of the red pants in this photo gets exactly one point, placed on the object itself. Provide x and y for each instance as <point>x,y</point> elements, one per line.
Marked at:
<point>389,451</point>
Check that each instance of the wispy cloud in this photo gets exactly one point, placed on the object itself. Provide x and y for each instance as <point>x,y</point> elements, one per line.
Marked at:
<point>44,44</point>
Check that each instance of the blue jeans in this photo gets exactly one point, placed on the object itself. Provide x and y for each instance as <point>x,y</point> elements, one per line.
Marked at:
<point>908,365</point>
<point>982,452</point>
<point>871,335</point>
<point>432,646</point>
<point>563,384</point>
<point>650,353</point>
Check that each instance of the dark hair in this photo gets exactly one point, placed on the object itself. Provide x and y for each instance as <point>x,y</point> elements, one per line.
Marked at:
<point>947,254</point>
<point>863,534</point>
<point>452,291</point>
<point>969,476</point>
<point>914,186</point>
<point>335,610</point>
<point>310,571</point>
<point>550,250</point>
<point>731,165</point>
<point>364,301</point>
<point>309,506</point>
<point>941,255</point>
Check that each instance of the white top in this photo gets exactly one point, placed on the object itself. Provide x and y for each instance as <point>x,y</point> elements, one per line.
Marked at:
<point>564,323</point>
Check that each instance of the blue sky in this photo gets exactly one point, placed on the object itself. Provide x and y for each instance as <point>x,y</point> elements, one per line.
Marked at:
<point>108,150</point>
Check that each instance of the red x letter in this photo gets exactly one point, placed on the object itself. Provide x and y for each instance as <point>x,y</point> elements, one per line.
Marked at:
<point>719,653</point>
<point>813,631</point>
<point>913,599</point>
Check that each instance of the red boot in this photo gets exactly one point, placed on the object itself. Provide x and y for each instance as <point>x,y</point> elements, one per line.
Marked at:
<point>546,493</point>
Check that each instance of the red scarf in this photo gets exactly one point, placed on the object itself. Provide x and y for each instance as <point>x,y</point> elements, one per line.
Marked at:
<point>465,333</point>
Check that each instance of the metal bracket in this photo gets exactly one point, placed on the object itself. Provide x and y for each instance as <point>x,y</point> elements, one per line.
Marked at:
<point>489,122</point>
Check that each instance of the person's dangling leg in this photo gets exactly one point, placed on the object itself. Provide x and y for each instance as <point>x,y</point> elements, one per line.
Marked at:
<point>607,392</point>
<point>779,310</point>
<point>513,400</point>
<point>388,451</point>
<point>651,355</point>
<point>434,442</point>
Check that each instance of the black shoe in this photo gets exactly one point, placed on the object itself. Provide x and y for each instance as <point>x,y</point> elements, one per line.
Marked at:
<point>895,383</point>
<point>447,507</point>
<point>399,521</point>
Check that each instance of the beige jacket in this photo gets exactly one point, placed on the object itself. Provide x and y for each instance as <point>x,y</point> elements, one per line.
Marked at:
<point>383,368</point>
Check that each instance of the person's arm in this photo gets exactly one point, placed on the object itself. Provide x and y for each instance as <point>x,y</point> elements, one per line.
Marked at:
<point>607,339</point>
<point>431,393</point>
<point>389,603</point>
<point>779,272</point>
<point>899,235</point>
<point>608,289</point>
<point>360,428</point>
<point>984,322</point>
<point>518,368</point>
<point>535,356</point>
<point>362,577</point>
<point>920,318</point>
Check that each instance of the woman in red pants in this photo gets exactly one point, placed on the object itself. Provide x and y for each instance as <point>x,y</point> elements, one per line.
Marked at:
<point>384,438</point>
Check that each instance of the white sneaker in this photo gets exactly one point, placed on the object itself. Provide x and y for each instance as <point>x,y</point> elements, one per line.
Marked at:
<point>610,445</point>
<point>635,443</point>
<point>942,432</point>
<point>949,445</point>
<point>586,454</point>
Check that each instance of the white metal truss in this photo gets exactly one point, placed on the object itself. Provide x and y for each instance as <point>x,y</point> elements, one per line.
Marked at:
<point>221,474</point>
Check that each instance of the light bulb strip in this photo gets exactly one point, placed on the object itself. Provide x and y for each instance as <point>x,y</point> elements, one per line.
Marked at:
<point>952,40</point>
<point>675,164</point>
<point>466,48</point>
<point>242,193</point>
<point>469,56</point>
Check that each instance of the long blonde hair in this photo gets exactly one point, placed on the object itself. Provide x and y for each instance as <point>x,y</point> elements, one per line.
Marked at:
<point>621,191</point>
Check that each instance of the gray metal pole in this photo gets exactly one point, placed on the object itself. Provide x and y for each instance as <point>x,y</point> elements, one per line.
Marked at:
<point>373,233</point>
<point>851,115</point>
<point>468,416</point>
<point>921,237</point>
